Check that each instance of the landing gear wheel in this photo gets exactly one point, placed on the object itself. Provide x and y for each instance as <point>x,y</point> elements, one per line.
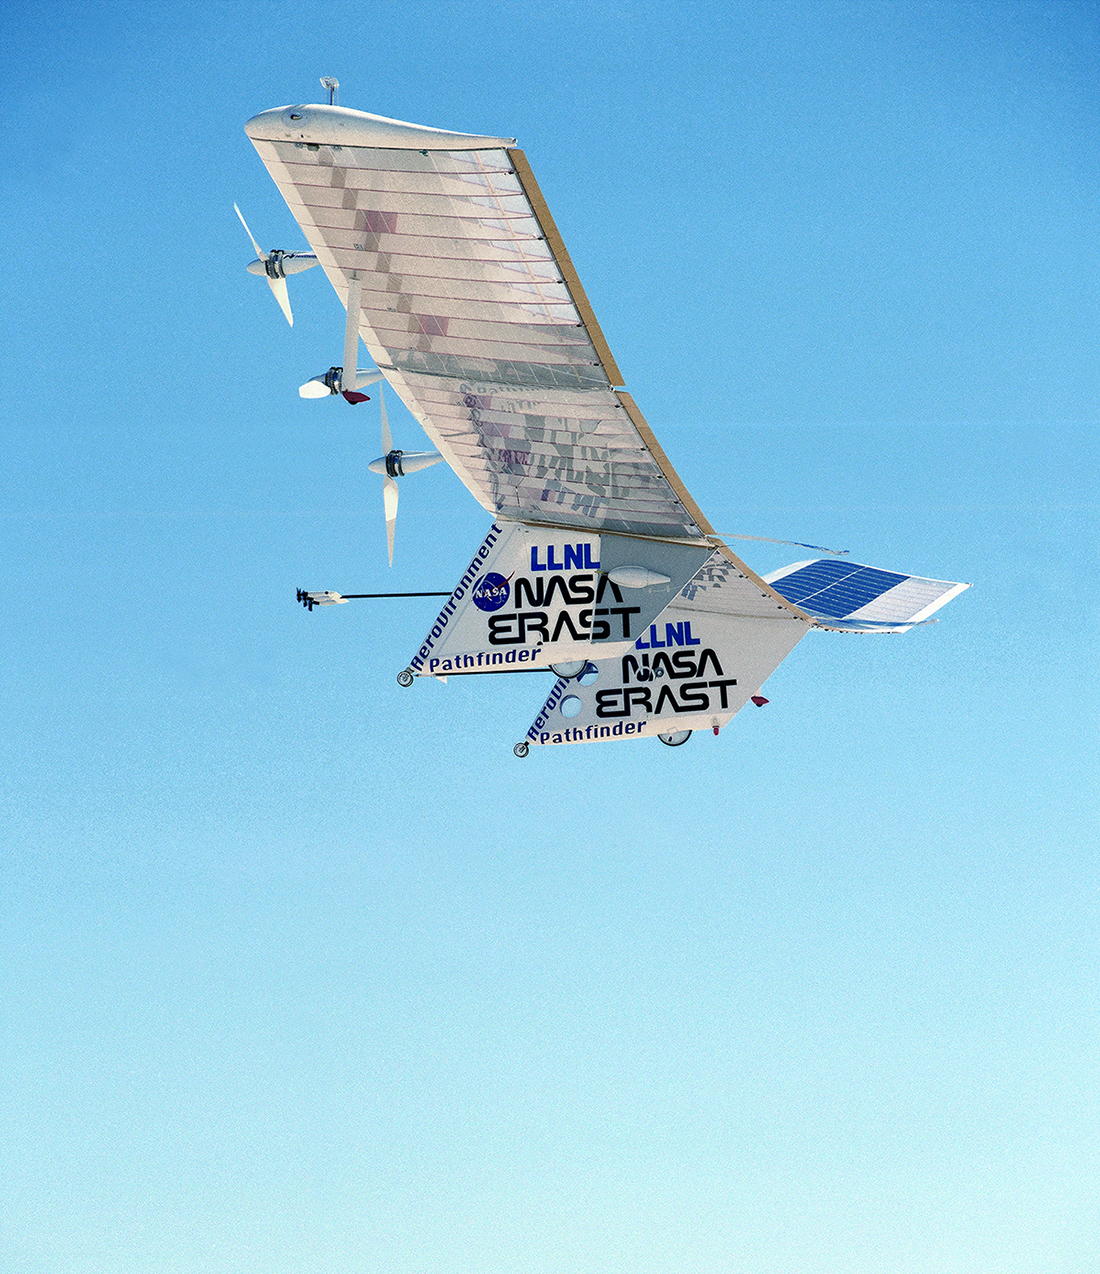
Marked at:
<point>676,739</point>
<point>521,750</point>
<point>405,678</point>
<point>574,668</point>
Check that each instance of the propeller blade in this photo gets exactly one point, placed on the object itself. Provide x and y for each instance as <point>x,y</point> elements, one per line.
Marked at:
<point>387,440</point>
<point>389,499</point>
<point>259,251</point>
<point>279,292</point>
<point>351,333</point>
<point>390,489</point>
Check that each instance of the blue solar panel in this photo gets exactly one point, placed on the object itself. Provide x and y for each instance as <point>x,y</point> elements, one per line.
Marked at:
<point>835,589</point>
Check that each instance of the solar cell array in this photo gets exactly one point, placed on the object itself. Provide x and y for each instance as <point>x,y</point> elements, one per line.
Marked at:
<point>834,589</point>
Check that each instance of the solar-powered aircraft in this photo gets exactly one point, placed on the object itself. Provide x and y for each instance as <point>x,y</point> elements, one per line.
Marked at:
<point>598,564</point>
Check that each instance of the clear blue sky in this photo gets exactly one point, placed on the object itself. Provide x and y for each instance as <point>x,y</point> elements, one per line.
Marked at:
<point>303,973</point>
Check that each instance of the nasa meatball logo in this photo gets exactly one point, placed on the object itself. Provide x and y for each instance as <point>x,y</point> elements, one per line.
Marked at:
<point>491,592</point>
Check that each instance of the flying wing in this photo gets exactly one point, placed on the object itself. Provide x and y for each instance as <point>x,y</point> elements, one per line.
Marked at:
<point>598,562</point>
<point>469,303</point>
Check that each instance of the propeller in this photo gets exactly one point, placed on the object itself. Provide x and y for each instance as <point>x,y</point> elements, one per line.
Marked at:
<point>276,265</point>
<point>332,382</point>
<point>395,464</point>
<point>389,485</point>
<point>392,464</point>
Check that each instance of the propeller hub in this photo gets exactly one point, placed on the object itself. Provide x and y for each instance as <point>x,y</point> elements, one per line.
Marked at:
<point>273,266</point>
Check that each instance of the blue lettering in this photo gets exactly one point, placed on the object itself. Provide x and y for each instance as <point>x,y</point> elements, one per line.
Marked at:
<point>578,557</point>
<point>675,635</point>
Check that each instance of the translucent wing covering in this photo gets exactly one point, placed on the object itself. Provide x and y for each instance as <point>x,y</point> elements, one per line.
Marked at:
<point>470,304</point>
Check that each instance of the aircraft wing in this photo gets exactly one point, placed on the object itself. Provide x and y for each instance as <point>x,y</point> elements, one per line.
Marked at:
<point>469,303</point>
<point>443,250</point>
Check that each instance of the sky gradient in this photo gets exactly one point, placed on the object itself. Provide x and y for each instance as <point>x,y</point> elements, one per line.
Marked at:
<point>304,973</point>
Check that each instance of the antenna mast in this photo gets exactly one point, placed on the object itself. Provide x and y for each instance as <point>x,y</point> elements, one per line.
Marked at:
<point>333,85</point>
